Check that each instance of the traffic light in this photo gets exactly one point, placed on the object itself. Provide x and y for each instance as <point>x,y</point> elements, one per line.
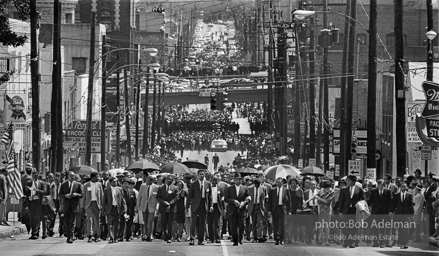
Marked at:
<point>354,145</point>
<point>213,101</point>
<point>223,99</point>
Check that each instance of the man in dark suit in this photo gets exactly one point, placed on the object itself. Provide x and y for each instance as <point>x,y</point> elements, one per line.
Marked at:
<point>429,199</point>
<point>127,220</point>
<point>403,209</point>
<point>237,198</point>
<point>200,200</point>
<point>114,206</point>
<point>25,217</point>
<point>349,197</point>
<point>256,208</point>
<point>70,193</point>
<point>216,211</point>
<point>277,209</point>
<point>380,201</point>
<point>165,194</point>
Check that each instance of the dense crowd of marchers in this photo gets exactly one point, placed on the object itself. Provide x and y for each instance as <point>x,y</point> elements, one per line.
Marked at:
<point>251,208</point>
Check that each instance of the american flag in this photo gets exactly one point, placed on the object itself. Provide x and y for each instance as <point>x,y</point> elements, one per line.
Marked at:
<point>8,135</point>
<point>14,177</point>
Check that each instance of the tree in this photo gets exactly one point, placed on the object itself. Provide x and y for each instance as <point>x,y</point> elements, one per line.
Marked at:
<point>7,36</point>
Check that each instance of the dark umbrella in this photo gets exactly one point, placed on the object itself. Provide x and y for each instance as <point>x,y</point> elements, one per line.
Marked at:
<point>143,165</point>
<point>312,170</point>
<point>82,170</point>
<point>174,168</point>
<point>248,170</point>
<point>195,164</point>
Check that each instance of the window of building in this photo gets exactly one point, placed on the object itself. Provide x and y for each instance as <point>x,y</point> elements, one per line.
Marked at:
<point>79,64</point>
<point>5,65</point>
<point>69,18</point>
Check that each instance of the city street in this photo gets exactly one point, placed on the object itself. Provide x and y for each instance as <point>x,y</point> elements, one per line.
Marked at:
<point>57,246</point>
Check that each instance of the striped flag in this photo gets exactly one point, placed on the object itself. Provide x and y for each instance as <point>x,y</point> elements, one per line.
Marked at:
<point>8,135</point>
<point>14,177</point>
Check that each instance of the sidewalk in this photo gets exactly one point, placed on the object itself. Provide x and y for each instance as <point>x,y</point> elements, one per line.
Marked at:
<point>434,242</point>
<point>14,229</point>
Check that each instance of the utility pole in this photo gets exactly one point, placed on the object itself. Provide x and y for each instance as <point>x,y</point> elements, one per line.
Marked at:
<point>127,115</point>
<point>296,107</point>
<point>371,89</point>
<point>159,109</point>
<point>118,112</point>
<point>103,103</point>
<point>429,56</point>
<point>350,84</point>
<point>145,117</point>
<point>401,144</point>
<point>312,132</point>
<point>281,92</point>
<point>270,83</point>
<point>343,145</point>
<point>90,85</point>
<point>56,111</point>
<point>36,132</point>
<point>153,114</point>
<point>325,117</point>
<point>136,148</point>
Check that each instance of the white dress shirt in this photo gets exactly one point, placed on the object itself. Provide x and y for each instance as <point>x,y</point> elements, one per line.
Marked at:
<point>93,191</point>
<point>352,190</point>
<point>279,192</point>
<point>214,194</point>
<point>113,193</point>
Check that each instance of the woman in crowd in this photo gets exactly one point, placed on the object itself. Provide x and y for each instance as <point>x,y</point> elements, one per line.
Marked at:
<point>179,216</point>
<point>324,199</point>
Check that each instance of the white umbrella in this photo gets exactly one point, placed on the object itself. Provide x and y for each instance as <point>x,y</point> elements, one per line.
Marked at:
<point>281,171</point>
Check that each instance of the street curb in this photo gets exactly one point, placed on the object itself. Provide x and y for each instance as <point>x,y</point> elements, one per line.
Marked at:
<point>13,231</point>
<point>434,242</point>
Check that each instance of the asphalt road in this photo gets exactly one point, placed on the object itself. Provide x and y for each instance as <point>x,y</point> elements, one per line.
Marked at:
<point>58,246</point>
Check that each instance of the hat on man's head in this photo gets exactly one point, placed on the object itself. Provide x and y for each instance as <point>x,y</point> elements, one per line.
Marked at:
<point>419,187</point>
<point>352,177</point>
<point>29,166</point>
<point>435,178</point>
<point>237,175</point>
<point>119,174</point>
<point>126,180</point>
<point>417,170</point>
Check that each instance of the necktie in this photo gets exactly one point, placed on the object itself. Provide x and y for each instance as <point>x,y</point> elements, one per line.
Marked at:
<point>403,197</point>
<point>147,192</point>
<point>381,192</point>
<point>256,195</point>
<point>70,186</point>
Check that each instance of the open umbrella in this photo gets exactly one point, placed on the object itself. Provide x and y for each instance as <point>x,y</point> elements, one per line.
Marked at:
<point>247,170</point>
<point>174,168</point>
<point>281,171</point>
<point>312,170</point>
<point>82,170</point>
<point>195,164</point>
<point>143,165</point>
<point>113,172</point>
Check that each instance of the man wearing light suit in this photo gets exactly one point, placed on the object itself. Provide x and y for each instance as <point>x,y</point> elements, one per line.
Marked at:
<point>200,201</point>
<point>147,202</point>
<point>93,196</point>
<point>114,206</point>
<point>256,208</point>
<point>69,193</point>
